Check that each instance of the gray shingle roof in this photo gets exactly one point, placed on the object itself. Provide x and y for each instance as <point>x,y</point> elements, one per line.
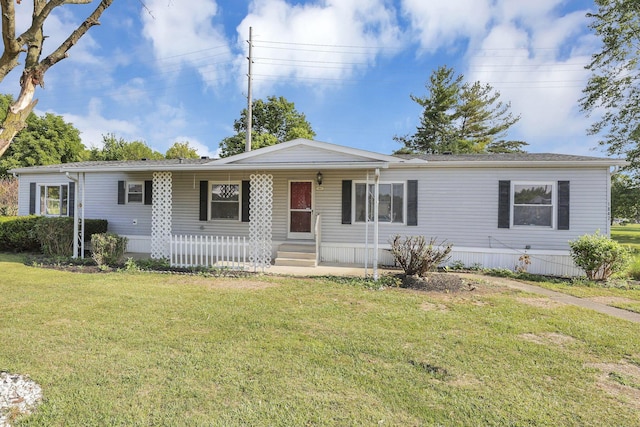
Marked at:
<point>504,157</point>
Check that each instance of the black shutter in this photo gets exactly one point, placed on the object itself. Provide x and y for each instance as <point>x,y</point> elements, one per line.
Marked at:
<point>72,198</point>
<point>246,192</point>
<point>121,192</point>
<point>563,205</point>
<point>204,199</point>
<point>412,202</point>
<point>148,192</point>
<point>32,198</point>
<point>346,202</point>
<point>504,204</point>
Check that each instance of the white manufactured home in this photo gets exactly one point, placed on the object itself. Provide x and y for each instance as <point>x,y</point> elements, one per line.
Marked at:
<point>306,202</point>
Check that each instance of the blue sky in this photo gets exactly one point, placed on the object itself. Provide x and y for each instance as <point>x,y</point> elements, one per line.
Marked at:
<point>178,73</point>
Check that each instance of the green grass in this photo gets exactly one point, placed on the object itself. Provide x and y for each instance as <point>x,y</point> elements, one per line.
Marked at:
<point>152,349</point>
<point>627,235</point>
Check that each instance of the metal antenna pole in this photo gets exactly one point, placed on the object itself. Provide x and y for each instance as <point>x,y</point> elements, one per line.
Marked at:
<point>249,97</point>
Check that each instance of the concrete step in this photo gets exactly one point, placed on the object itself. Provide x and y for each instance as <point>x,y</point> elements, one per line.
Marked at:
<point>297,255</point>
<point>295,262</point>
<point>294,254</point>
<point>298,247</point>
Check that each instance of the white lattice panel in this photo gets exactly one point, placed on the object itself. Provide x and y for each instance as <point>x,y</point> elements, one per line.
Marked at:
<point>161,215</point>
<point>260,213</point>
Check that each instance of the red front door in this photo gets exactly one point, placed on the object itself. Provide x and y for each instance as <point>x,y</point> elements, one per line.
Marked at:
<point>300,210</point>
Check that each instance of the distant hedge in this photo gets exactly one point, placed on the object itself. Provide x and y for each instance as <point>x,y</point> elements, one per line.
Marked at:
<point>17,232</point>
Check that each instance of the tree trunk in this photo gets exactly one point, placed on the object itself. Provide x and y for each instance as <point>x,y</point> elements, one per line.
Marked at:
<point>19,111</point>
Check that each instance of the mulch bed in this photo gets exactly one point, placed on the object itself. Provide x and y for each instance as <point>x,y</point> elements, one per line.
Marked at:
<point>439,282</point>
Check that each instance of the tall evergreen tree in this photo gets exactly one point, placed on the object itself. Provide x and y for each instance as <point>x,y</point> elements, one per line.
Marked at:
<point>460,117</point>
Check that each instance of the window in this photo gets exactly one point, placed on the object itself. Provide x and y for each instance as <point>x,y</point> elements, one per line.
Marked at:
<point>135,192</point>
<point>533,204</point>
<point>225,201</point>
<point>390,202</point>
<point>54,200</point>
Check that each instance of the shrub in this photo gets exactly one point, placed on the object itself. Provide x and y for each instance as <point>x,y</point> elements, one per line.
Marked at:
<point>55,235</point>
<point>599,256</point>
<point>16,234</point>
<point>108,248</point>
<point>416,256</point>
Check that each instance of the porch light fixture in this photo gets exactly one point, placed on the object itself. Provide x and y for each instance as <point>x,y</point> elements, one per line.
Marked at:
<point>319,178</point>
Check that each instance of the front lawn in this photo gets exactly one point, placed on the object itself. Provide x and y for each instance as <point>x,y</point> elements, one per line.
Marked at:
<point>153,349</point>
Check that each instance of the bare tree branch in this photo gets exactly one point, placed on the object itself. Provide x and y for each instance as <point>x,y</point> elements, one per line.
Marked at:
<point>61,52</point>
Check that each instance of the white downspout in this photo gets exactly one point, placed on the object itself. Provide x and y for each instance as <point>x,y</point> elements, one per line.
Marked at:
<point>366,227</point>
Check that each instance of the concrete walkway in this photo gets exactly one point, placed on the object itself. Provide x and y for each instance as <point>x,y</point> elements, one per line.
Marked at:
<point>349,270</point>
<point>559,297</point>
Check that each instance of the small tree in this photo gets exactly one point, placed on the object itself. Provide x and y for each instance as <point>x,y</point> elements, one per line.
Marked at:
<point>416,256</point>
<point>599,256</point>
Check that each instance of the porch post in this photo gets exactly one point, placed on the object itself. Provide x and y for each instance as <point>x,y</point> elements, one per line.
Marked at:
<point>161,215</point>
<point>376,201</point>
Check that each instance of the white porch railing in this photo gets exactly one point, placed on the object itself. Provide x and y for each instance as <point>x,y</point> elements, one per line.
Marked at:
<point>318,232</point>
<point>208,251</point>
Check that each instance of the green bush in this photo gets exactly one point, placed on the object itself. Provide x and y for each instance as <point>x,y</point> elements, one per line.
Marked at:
<point>599,256</point>
<point>16,234</point>
<point>55,235</point>
<point>108,248</point>
<point>416,256</point>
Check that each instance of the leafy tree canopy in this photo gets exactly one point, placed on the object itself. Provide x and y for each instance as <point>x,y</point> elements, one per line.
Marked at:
<point>625,196</point>
<point>118,149</point>
<point>614,85</point>
<point>181,150</point>
<point>274,121</point>
<point>46,140</point>
<point>460,117</point>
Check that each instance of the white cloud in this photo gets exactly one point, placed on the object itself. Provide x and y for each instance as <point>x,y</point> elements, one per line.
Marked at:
<point>186,36</point>
<point>530,51</point>
<point>318,43</point>
<point>439,24</point>
<point>528,62</point>
<point>93,125</point>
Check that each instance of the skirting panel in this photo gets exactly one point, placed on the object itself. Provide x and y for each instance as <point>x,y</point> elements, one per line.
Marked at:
<point>139,244</point>
<point>548,263</point>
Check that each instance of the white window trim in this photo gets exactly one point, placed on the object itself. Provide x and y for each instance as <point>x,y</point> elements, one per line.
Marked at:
<point>127,192</point>
<point>209,200</point>
<point>554,205</point>
<point>384,223</point>
<point>39,204</point>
